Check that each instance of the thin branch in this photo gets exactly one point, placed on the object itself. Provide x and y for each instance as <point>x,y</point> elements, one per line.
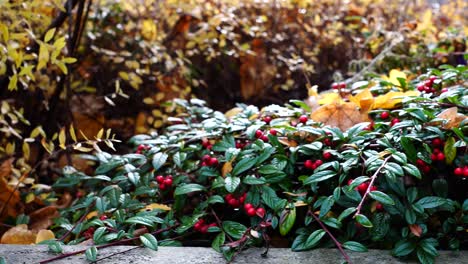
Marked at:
<point>220,224</point>
<point>358,209</point>
<point>105,245</point>
<point>337,243</point>
<point>76,224</point>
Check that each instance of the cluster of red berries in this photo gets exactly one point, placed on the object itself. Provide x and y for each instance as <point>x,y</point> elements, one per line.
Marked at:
<point>164,182</point>
<point>437,155</point>
<point>426,86</point>
<point>267,119</point>
<point>206,144</point>
<point>423,166</point>
<point>312,165</point>
<point>251,211</point>
<point>89,233</point>
<point>461,172</point>
<point>141,148</point>
<point>210,161</point>
<point>235,201</point>
<point>263,135</point>
<point>202,227</point>
<point>340,85</point>
<point>379,207</point>
<point>362,188</point>
<point>240,144</point>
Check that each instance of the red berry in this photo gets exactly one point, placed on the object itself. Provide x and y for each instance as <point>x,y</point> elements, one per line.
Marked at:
<point>251,212</point>
<point>362,187</point>
<point>350,181</point>
<point>213,162</point>
<point>428,83</point>
<point>458,171</point>
<point>426,168</point>
<point>384,115</point>
<point>205,143</point>
<point>379,207</point>
<point>421,87</point>
<point>433,78</point>
<point>420,162</point>
<point>327,142</point>
<point>264,138</point>
<point>373,188</point>
<point>436,142</point>
<point>465,171</point>
<point>433,157</point>
<point>212,225</point>
<point>204,229</point>
<point>444,90</point>
<point>228,197</point>
<point>160,179</point>
<point>335,86</point>
<point>258,133</point>
<point>162,186</point>
<point>267,119</point>
<point>79,194</point>
<point>197,226</point>
<point>141,147</point>
<point>260,212</point>
<point>234,202</point>
<point>168,181</point>
<point>327,155</point>
<point>394,121</point>
<point>436,151</point>
<point>309,164</point>
<point>318,163</point>
<point>209,147</point>
<point>206,158</point>
<point>239,145</point>
<point>203,164</point>
<point>293,123</point>
<point>247,206</point>
<point>303,119</point>
<point>103,217</point>
<point>273,132</point>
<point>440,156</point>
<point>242,198</point>
<point>342,85</point>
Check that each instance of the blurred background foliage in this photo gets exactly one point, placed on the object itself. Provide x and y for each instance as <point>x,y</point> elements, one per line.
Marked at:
<point>71,70</point>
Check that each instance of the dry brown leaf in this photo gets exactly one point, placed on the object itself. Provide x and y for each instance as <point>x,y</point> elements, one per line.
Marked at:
<point>416,229</point>
<point>43,218</point>
<point>227,168</point>
<point>10,202</point>
<point>18,235</point>
<point>452,116</point>
<point>343,115</point>
<point>287,142</point>
<point>43,235</point>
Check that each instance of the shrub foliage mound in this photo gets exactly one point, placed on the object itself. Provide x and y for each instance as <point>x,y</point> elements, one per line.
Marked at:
<point>250,177</point>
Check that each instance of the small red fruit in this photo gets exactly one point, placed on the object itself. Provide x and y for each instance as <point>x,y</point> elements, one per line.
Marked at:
<point>350,181</point>
<point>168,181</point>
<point>335,86</point>
<point>260,212</point>
<point>234,202</point>
<point>242,198</point>
<point>433,157</point>
<point>203,164</point>
<point>197,226</point>
<point>264,138</point>
<point>206,158</point>
<point>303,119</point>
<point>160,179</point>
<point>318,163</point>
<point>426,168</point>
<point>327,155</point>
<point>421,87</point>
<point>204,229</point>
<point>327,142</point>
<point>247,206</point>
<point>258,133</point>
<point>379,207</point>
<point>309,164</point>
<point>420,162</point>
<point>162,186</point>
<point>436,142</point>
<point>394,121</point>
<point>228,197</point>
<point>213,162</point>
<point>458,171</point>
<point>384,115</point>
<point>373,188</point>
<point>251,212</point>
<point>362,188</point>
<point>212,225</point>
<point>267,119</point>
<point>103,217</point>
<point>433,78</point>
<point>444,90</point>
<point>342,85</point>
<point>440,156</point>
<point>273,132</point>
<point>465,171</point>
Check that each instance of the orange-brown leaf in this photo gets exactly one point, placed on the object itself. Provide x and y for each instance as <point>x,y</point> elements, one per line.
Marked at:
<point>343,115</point>
<point>415,229</point>
<point>452,116</point>
<point>44,234</point>
<point>18,235</point>
<point>43,218</point>
<point>227,168</point>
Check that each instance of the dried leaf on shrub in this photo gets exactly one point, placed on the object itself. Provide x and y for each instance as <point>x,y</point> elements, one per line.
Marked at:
<point>43,235</point>
<point>10,202</point>
<point>391,100</point>
<point>43,218</point>
<point>415,229</point>
<point>452,116</point>
<point>227,168</point>
<point>155,206</point>
<point>19,235</point>
<point>343,115</point>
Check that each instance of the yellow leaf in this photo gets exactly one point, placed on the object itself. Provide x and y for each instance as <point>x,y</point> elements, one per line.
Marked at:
<point>91,214</point>
<point>43,57</point>
<point>29,197</point>
<point>155,206</point>
<point>49,35</point>
<point>100,133</point>
<point>390,100</point>
<point>72,133</point>
<point>13,82</point>
<point>329,98</point>
<point>43,235</point>
<point>18,235</point>
<point>26,150</point>
<point>364,99</point>
<point>227,168</point>
<point>393,75</point>
<point>234,111</point>
<point>62,138</point>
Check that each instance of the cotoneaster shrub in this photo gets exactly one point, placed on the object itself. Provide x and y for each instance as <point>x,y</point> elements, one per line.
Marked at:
<point>249,176</point>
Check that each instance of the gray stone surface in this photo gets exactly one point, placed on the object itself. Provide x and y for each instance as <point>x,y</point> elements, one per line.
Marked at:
<point>17,254</point>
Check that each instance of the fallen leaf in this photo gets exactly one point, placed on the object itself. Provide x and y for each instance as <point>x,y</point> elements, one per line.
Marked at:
<point>155,206</point>
<point>227,168</point>
<point>18,235</point>
<point>416,229</point>
<point>10,202</point>
<point>43,218</point>
<point>329,98</point>
<point>452,116</point>
<point>287,142</point>
<point>393,77</point>
<point>341,115</point>
<point>43,235</point>
<point>364,99</point>
<point>390,100</point>
<point>91,214</point>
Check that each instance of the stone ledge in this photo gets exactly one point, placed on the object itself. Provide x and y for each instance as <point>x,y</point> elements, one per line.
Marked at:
<point>16,254</point>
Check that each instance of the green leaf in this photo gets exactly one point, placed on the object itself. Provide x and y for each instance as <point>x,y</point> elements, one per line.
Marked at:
<point>440,187</point>
<point>149,241</point>
<point>243,165</point>
<point>314,238</point>
<point>218,242</point>
<point>465,205</point>
<point>49,35</point>
<point>450,150</point>
<point>287,220</point>
<point>234,229</point>
<point>215,199</point>
<point>346,213</point>
<point>99,233</point>
<point>403,248</point>
<point>252,180</point>
<point>355,246</point>
<point>381,197</point>
<point>231,183</point>
<point>431,202</point>
<point>326,206</point>
<point>320,176</point>
<point>412,170</point>
<point>424,257</point>
<point>139,220</point>
<point>394,168</point>
<point>188,188</point>
<point>363,220</point>
<point>158,160</point>
<point>91,253</point>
